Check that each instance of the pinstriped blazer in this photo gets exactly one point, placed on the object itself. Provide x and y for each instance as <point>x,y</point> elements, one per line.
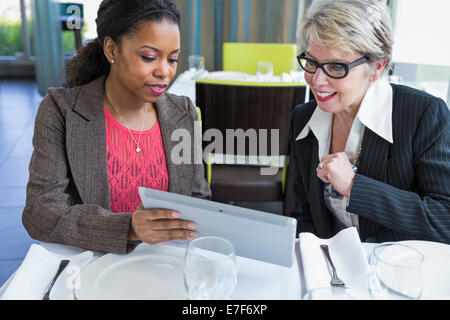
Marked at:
<point>401,191</point>
<point>68,198</point>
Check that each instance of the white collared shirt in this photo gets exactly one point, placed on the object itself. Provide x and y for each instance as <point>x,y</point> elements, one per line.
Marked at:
<point>374,113</point>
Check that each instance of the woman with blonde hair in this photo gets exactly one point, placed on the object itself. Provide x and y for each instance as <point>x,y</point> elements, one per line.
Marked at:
<point>366,153</point>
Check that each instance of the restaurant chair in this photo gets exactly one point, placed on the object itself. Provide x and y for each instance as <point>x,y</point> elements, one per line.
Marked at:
<point>71,17</point>
<point>246,105</point>
<point>244,56</point>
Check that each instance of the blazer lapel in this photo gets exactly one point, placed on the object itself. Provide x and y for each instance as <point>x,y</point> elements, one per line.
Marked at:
<point>86,145</point>
<point>374,153</point>
<point>308,162</point>
<point>171,117</point>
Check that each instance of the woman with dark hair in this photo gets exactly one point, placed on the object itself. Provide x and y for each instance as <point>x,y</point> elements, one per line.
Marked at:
<point>109,133</point>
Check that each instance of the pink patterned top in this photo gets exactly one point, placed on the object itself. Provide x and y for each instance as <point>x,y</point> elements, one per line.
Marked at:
<point>127,169</point>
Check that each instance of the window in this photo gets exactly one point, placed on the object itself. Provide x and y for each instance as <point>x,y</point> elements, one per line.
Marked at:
<point>16,43</point>
<point>11,44</point>
<point>89,31</point>
<point>422,48</point>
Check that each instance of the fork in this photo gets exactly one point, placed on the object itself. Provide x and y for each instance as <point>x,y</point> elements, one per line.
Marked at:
<point>62,265</point>
<point>335,281</point>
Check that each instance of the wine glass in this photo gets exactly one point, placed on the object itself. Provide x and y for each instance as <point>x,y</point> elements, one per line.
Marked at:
<point>210,269</point>
<point>196,65</point>
<point>265,71</point>
<point>396,272</point>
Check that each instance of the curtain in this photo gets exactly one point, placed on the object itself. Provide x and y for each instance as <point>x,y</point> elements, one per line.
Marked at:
<point>207,24</point>
<point>48,46</point>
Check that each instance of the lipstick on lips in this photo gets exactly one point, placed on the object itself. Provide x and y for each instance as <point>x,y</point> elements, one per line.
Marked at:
<point>325,96</point>
<point>157,89</point>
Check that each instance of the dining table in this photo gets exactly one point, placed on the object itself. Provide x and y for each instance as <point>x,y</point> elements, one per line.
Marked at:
<point>133,276</point>
<point>257,280</point>
<point>184,84</point>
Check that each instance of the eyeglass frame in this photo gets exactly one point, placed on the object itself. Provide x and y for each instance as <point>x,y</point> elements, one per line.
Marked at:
<point>347,66</point>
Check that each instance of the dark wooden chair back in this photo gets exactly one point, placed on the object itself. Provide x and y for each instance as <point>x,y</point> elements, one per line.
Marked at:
<point>262,106</point>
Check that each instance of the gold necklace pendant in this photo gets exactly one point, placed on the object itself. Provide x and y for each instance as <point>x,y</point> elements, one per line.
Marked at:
<point>138,149</point>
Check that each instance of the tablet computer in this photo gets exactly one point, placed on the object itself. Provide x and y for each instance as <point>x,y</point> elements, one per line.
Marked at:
<point>255,234</point>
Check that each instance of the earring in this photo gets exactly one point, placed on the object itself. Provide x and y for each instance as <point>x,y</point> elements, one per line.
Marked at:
<point>112,61</point>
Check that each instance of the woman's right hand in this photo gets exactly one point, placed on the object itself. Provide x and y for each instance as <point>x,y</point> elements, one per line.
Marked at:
<point>159,225</point>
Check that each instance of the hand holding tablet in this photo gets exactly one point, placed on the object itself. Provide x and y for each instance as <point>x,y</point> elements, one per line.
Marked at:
<point>255,234</point>
<point>154,226</point>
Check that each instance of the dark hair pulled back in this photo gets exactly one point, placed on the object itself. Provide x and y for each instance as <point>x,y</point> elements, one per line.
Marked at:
<point>114,19</point>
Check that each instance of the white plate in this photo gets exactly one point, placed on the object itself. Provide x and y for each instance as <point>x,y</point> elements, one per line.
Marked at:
<point>157,273</point>
<point>436,268</point>
<point>148,273</point>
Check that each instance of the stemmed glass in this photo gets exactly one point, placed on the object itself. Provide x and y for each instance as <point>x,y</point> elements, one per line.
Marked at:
<point>265,71</point>
<point>210,269</point>
<point>196,66</point>
<point>396,272</point>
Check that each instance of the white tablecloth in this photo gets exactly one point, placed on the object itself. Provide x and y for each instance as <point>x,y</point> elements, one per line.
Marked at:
<point>256,278</point>
<point>184,85</point>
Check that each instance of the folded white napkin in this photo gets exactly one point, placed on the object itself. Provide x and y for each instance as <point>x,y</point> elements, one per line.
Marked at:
<point>37,270</point>
<point>348,256</point>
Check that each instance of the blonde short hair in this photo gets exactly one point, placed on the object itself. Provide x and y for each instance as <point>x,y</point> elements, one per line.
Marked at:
<point>362,26</point>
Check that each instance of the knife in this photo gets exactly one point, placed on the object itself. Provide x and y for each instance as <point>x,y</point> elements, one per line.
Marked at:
<point>62,265</point>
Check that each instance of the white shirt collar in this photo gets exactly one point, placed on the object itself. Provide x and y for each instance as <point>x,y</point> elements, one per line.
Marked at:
<point>374,113</point>
<point>376,109</point>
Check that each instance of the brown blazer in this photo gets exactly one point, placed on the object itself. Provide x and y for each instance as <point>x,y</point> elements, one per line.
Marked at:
<point>68,197</point>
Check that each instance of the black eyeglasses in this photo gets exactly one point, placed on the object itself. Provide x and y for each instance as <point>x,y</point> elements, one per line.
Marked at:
<point>335,70</point>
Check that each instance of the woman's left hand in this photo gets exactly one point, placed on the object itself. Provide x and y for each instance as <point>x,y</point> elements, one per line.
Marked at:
<point>338,171</point>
